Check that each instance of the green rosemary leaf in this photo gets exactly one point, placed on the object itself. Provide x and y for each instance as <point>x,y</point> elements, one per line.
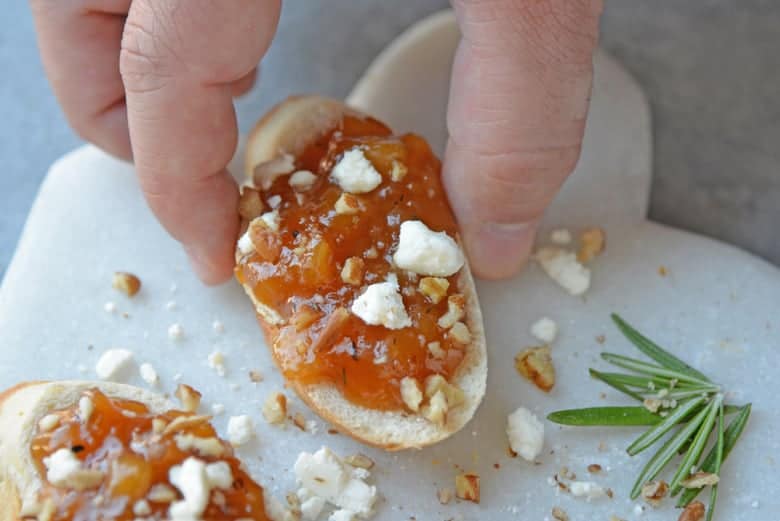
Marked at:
<point>605,417</point>
<point>654,351</point>
<point>656,433</point>
<point>646,383</point>
<point>718,462</point>
<point>730,437</point>
<point>699,442</point>
<point>664,455</point>
<point>713,499</point>
<point>649,369</point>
<point>604,377</point>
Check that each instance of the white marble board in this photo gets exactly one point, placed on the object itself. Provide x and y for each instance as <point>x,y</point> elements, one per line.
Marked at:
<point>717,307</point>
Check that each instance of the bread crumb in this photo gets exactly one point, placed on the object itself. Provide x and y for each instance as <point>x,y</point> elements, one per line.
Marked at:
<point>127,283</point>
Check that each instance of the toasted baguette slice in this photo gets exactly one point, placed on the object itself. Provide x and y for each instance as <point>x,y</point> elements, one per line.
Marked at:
<point>24,406</point>
<point>21,408</point>
<point>288,129</point>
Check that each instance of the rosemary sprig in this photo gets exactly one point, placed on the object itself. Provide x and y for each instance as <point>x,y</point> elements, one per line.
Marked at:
<point>678,400</point>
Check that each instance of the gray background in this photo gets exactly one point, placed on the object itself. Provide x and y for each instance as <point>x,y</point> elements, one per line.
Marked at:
<point>710,68</point>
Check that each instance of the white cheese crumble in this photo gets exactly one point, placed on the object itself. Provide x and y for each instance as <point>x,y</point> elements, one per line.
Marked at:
<point>218,326</point>
<point>112,362</point>
<point>271,219</point>
<point>311,505</point>
<point>587,489</point>
<point>240,430</point>
<point>149,374</point>
<point>217,362</point>
<point>342,515</point>
<point>302,180</point>
<point>325,475</point>
<point>175,332</point>
<point>525,433</point>
<point>48,422</point>
<point>86,408</point>
<point>425,252</point>
<point>382,305</point>
<point>355,174</point>
<point>142,508</point>
<point>563,267</point>
<point>110,307</point>
<point>266,173</point>
<point>217,409</point>
<point>545,329</point>
<point>561,237</point>
<point>195,480</point>
<point>245,244</point>
<point>274,201</point>
<point>65,470</point>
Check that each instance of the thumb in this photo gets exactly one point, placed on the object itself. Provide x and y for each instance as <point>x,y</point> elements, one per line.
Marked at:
<point>519,98</point>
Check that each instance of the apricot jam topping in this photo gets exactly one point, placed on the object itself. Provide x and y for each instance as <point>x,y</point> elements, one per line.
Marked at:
<point>318,248</point>
<point>123,457</point>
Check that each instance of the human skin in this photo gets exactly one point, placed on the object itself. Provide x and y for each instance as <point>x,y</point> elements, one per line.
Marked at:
<point>153,81</point>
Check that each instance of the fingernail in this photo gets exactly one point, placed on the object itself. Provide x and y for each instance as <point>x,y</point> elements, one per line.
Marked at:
<point>499,250</point>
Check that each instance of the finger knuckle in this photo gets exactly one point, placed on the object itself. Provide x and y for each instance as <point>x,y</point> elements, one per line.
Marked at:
<point>144,59</point>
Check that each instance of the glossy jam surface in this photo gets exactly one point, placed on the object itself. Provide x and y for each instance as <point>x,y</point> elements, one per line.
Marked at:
<point>118,440</point>
<point>299,273</point>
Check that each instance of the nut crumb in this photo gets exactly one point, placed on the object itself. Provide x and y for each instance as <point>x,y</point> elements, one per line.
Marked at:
<point>250,205</point>
<point>653,492</point>
<point>347,204</point>
<point>275,409</point>
<point>559,514</point>
<point>593,242</point>
<point>594,468</point>
<point>189,397</point>
<point>663,271</point>
<point>299,421</point>
<point>700,479</point>
<point>467,487</point>
<point>693,512</point>
<point>398,171</point>
<point>127,283</point>
<point>360,461</point>
<point>456,310</point>
<point>460,333</point>
<point>434,288</point>
<point>411,393</point>
<point>352,273</point>
<point>255,376</point>
<point>535,364</point>
<point>601,339</point>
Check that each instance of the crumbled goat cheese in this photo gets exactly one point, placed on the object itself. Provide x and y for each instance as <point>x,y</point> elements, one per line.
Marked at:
<point>195,479</point>
<point>65,470</point>
<point>325,475</point>
<point>271,219</point>
<point>112,362</point>
<point>563,267</point>
<point>425,252</point>
<point>175,332</point>
<point>302,180</point>
<point>240,430</point>
<point>525,433</point>
<point>587,489</point>
<point>545,329</point>
<point>382,304</point>
<point>355,174</point>
<point>149,374</point>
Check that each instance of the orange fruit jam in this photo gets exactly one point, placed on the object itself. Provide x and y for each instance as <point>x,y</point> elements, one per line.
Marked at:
<point>297,270</point>
<point>119,440</point>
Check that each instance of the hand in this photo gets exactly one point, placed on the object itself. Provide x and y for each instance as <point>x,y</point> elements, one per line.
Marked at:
<point>167,70</point>
<point>519,97</point>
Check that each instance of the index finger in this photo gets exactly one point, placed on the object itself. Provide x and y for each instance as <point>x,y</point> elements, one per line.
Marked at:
<point>179,60</point>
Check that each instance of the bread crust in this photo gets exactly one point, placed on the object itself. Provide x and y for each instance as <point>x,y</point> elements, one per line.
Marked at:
<point>288,128</point>
<point>21,407</point>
